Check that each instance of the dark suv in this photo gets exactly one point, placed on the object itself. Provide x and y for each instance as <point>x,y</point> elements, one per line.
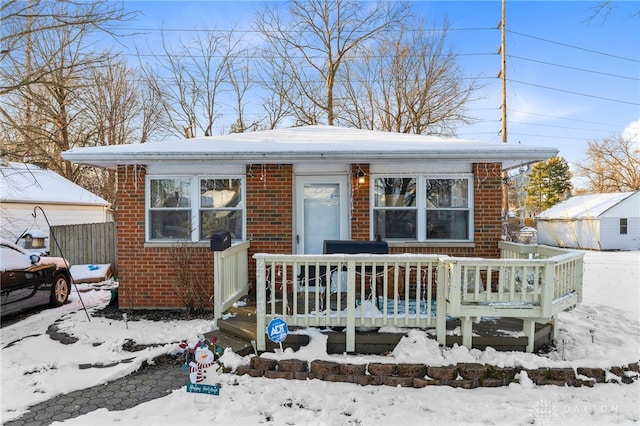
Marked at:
<point>29,280</point>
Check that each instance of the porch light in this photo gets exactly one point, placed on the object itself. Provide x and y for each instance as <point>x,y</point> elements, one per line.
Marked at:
<point>360,176</point>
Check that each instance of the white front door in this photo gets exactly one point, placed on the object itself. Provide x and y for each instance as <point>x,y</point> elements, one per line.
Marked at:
<point>322,211</point>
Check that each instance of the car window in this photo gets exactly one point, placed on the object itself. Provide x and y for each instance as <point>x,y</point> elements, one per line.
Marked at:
<point>11,259</point>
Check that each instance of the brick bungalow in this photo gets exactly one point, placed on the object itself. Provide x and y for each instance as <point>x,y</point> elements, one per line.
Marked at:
<point>287,190</point>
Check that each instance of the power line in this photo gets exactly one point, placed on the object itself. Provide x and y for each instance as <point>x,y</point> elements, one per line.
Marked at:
<point>576,47</point>
<point>576,93</point>
<point>557,127</point>
<point>564,118</point>
<point>574,68</point>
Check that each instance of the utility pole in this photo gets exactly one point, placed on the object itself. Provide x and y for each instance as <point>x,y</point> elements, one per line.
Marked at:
<point>503,70</point>
<point>503,131</point>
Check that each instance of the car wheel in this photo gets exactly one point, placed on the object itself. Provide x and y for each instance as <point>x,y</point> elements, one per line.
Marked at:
<point>60,290</point>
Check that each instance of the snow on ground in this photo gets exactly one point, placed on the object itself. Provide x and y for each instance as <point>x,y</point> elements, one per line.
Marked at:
<point>603,331</point>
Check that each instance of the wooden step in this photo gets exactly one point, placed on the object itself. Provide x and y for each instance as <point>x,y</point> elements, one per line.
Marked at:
<point>226,340</point>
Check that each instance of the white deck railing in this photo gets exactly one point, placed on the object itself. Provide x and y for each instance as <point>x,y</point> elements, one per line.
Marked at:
<point>231,277</point>
<point>412,290</point>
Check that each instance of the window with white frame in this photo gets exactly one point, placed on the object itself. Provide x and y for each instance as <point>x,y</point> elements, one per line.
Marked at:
<point>194,208</point>
<point>423,208</point>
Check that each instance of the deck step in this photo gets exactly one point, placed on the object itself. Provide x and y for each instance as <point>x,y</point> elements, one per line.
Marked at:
<point>226,340</point>
<point>238,329</point>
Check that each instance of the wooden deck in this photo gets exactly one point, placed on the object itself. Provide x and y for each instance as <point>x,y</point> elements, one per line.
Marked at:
<point>238,330</point>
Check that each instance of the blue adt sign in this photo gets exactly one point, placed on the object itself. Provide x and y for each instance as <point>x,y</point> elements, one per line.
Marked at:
<point>277,330</point>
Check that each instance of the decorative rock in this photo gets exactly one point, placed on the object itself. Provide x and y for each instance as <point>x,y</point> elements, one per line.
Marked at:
<point>396,381</point>
<point>492,383</point>
<point>242,370</point>
<point>259,363</point>
<point>464,384</point>
<point>353,369</point>
<point>539,375</point>
<point>293,365</point>
<point>271,374</point>
<point>464,375</point>
<point>635,366</point>
<point>472,371</point>
<point>340,378</point>
<point>321,367</point>
<point>411,370</point>
<point>444,374</point>
<point>380,369</point>
<point>618,371</point>
<point>421,382</point>
<point>567,375</point>
<point>595,373</point>
<point>303,375</point>
<point>367,379</point>
<point>506,374</point>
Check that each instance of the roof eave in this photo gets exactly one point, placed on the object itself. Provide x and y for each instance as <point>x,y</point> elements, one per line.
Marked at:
<point>508,158</point>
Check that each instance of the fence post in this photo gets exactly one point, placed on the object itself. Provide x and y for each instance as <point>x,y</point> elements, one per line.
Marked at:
<point>441,303</point>
<point>351,306</point>
<point>549,288</point>
<point>218,267</point>
<point>261,298</point>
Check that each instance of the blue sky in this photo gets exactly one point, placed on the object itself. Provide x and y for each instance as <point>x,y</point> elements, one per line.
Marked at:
<point>571,79</point>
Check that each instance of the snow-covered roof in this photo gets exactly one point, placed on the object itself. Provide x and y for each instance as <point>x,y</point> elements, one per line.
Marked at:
<point>585,206</point>
<point>311,144</point>
<point>27,183</point>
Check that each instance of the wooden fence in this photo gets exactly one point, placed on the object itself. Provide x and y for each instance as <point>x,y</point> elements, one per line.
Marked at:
<point>86,243</point>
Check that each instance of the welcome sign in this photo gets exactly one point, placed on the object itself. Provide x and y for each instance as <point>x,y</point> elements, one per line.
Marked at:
<point>200,388</point>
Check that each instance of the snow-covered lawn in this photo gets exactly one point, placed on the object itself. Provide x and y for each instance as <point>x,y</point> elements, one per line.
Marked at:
<point>603,331</point>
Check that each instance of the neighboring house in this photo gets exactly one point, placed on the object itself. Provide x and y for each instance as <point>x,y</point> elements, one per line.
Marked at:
<point>288,190</point>
<point>597,221</point>
<point>25,186</point>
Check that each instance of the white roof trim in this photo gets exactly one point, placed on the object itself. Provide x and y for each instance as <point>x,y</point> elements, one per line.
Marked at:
<point>311,144</point>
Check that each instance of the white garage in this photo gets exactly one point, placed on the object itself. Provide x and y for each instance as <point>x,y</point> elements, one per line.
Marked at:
<point>596,221</point>
<point>25,186</point>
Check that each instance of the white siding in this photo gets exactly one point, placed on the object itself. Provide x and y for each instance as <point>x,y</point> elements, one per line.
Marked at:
<point>15,218</point>
<point>583,234</point>
<point>629,208</point>
<point>613,240</point>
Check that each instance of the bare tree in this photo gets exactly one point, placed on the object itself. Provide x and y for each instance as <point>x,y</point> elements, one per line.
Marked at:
<point>113,110</point>
<point>23,22</point>
<point>47,113</point>
<point>241,83</point>
<point>408,82</point>
<point>310,41</point>
<point>188,80</point>
<point>81,96</point>
<point>612,165</point>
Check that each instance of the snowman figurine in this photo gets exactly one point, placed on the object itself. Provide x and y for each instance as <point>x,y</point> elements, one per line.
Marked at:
<point>200,360</point>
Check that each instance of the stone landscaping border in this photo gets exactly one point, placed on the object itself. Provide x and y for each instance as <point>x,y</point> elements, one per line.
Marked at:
<point>462,375</point>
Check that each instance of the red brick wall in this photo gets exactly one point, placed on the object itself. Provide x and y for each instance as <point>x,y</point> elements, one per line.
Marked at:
<point>147,277</point>
<point>269,210</point>
<point>360,205</point>
<point>487,188</point>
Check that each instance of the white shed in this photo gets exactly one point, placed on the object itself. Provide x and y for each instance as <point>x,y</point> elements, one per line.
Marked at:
<point>597,222</point>
<point>25,186</point>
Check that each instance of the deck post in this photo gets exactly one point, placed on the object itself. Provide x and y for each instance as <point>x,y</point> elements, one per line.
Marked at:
<point>441,304</point>
<point>467,335</point>
<point>261,296</point>
<point>546,303</point>
<point>218,267</point>
<point>529,328</point>
<point>351,306</point>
